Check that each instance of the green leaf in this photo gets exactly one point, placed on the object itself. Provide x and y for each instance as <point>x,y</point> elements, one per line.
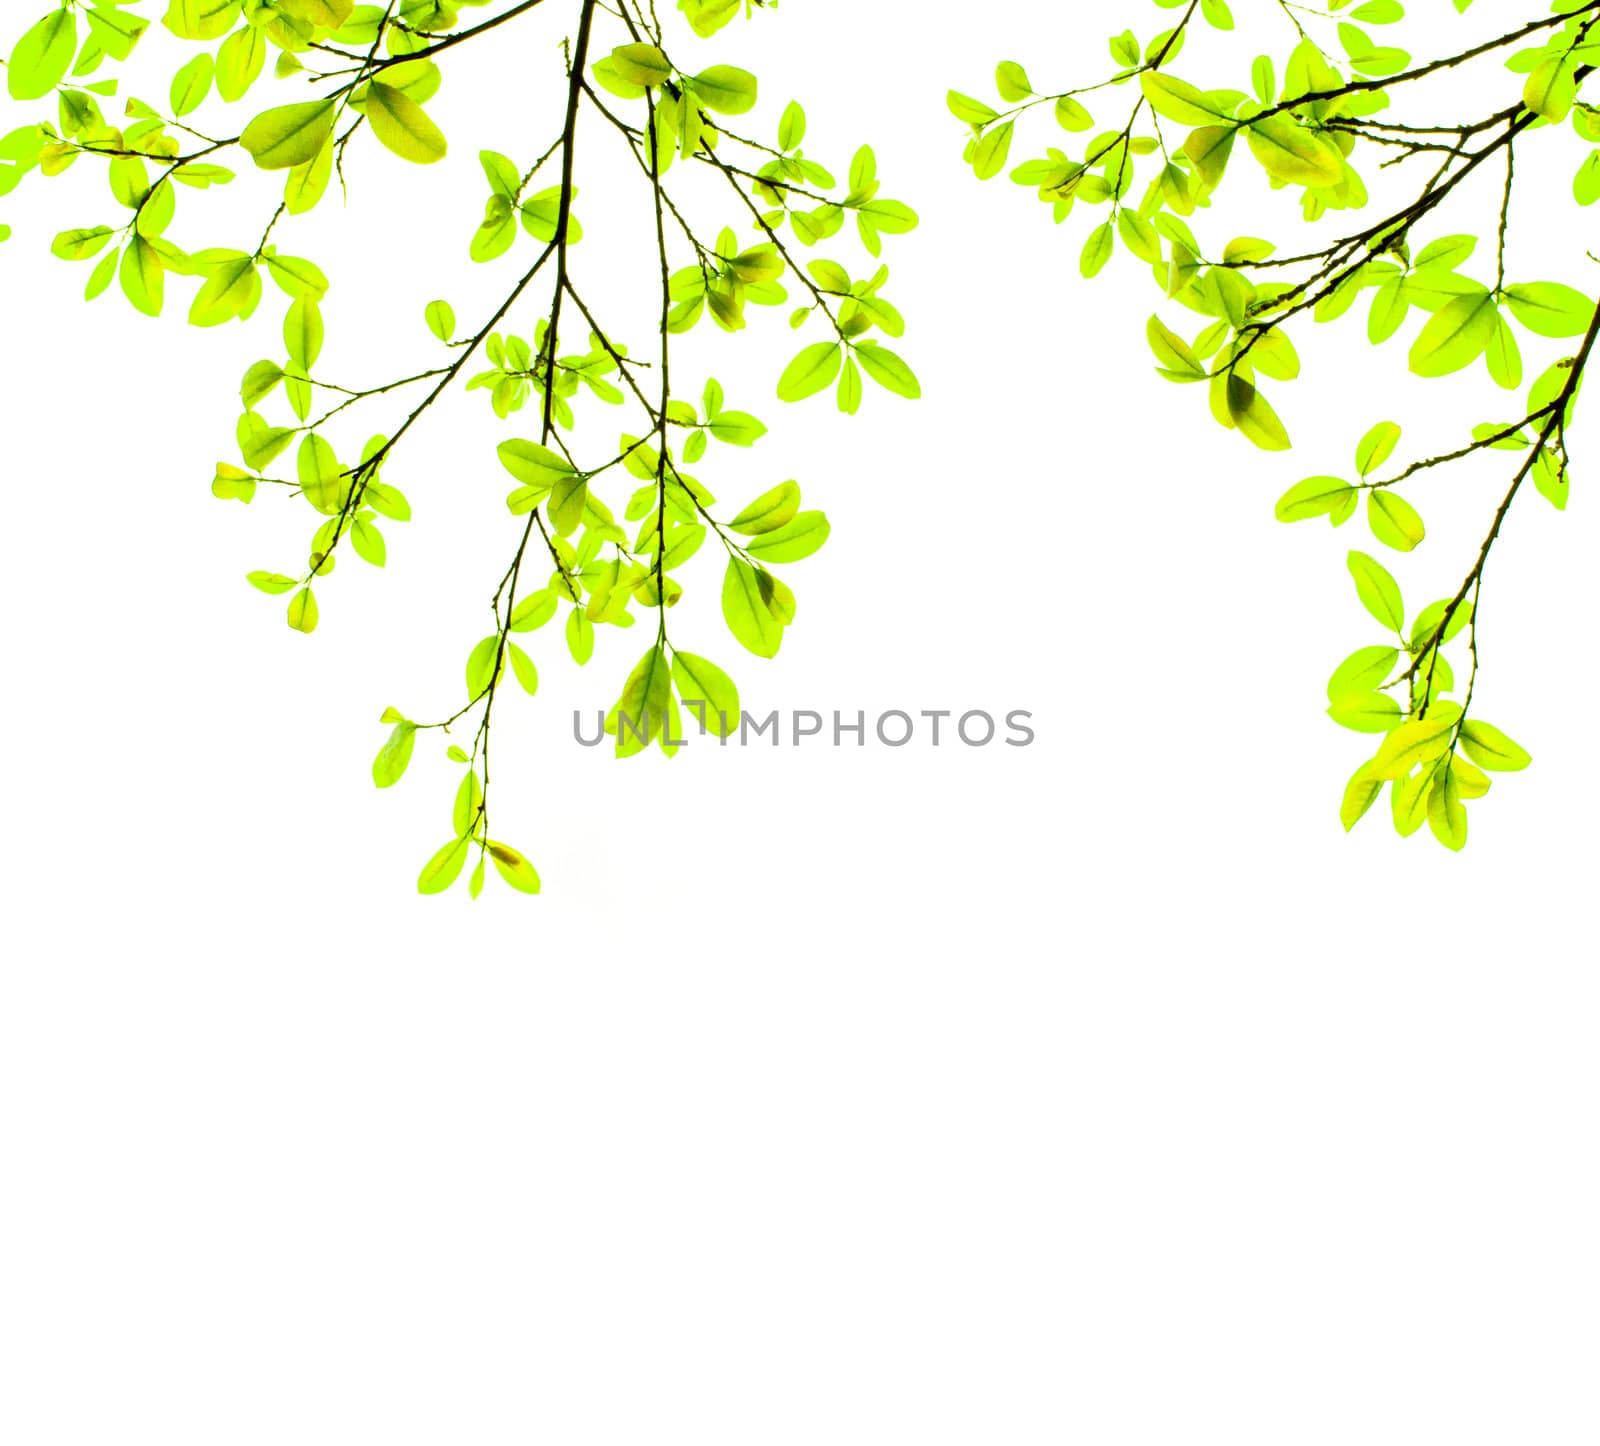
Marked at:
<point>191,85</point>
<point>1291,153</point>
<point>522,666</point>
<point>444,868</point>
<point>368,543</point>
<point>484,666</point>
<point>1426,625</point>
<point>395,756</point>
<point>793,541</point>
<point>812,371</point>
<point>513,868</point>
<point>289,135</point>
<point>1071,115</point>
<point>534,611</point>
<point>725,89</point>
<point>1359,795</point>
<point>230,291</point>
<point>1315,497</point>
<point>746,610</point>
<point>143,280</point>
<point>441,319</point>
<point>403,126</point>
<point>1455,335</point>
<point>1376,447</point>
<point>990,151</point>
<point>468,806</point>
<point>889,371</point>
<point>1419,741</point>
<point>1011,80</point>
<point>737,429</point>
<point>641,713</point>
<point>1502,355</point>
<point>1394,521</point>
<point>1409,801</point>
<point>1365,712</point>
<point>641,64</point>
<point>319,472</point>
<point>40,60</point>
<point>1209,149</point>
<point>303,333</point>
<point>1378,591</point>
<point>232,484</point>
<point>532,464</point>
<point>1550,309</point>
<point>580,636</point>
<point>1447,814</point>
<point>1489,748</point>
<point>101,277</point>
<point>1097,249</point>
<point>1551,88</point>
<point>770,511</point>
<point>969,109</point>
<point>1179,101</point>
<point>1364,671</point>
<point>272,583</point>
<point>1253,415</point>
<point>1176,356</point>
<point>792,126</point>
<point>303,611</point>
<point>330,13</point>
<point>80,244</point>
<point>296,277</point>
<point>568,498</point>
<point>239,61</point>
<point>260,444</point>
<point>708,692</point>
<point>201,19</point>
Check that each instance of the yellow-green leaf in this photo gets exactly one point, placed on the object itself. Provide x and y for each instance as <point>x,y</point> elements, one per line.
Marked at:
<point>444,868</point>
<point>403,126</point>
<point>1489,748</point>
<point>1378,591</point>
<point>1455,335</point>
<point>770,511</point>
<point>1291,153</point>
<point>1447,814</point>
<point>708,693</point>
<point>513,868</point>
<point>746,610</point>
<point>1376,447</point>
<point>201,19</point>
<point>289,135</point>
<point>303,611</point>
<point>41,58</point>
<point>1394,521</point>
<point>1359,795</point>
<point>143,280</point>
<point>812,371</point>
<point>395,756</point>
<point>1550,309</point>
<point>1178,100</point>
<point>1315,497</point>
<point>1418,741</point>
<point>725,89</point>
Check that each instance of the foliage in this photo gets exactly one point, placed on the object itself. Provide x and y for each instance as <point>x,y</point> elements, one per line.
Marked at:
<point>1316,115</point>
<point>346,73</point>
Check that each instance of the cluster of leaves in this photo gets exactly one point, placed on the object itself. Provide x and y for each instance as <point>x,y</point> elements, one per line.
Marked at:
<point>372,69</point>
<point>1309,120</point>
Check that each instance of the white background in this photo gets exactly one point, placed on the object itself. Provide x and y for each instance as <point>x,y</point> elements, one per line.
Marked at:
<point>1101,1091</point>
